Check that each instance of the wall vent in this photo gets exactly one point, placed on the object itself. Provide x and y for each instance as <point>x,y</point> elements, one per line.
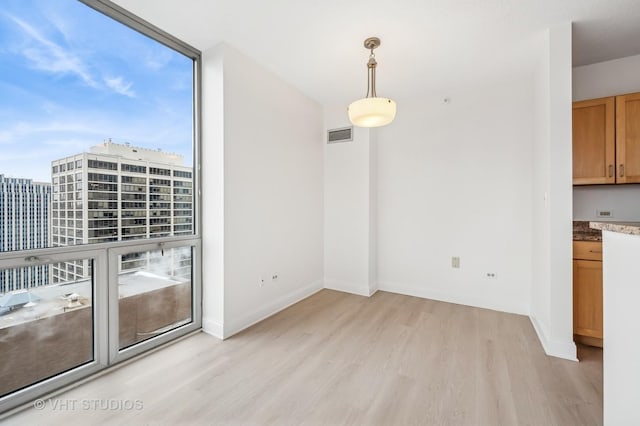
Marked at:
<point>344,134</point>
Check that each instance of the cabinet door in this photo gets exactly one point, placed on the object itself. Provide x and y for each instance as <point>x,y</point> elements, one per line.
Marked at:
<point>594,141</point>
<point>628,138</point>
<point>587,298</point>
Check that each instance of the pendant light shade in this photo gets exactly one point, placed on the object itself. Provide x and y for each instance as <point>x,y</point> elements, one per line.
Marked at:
<point>372,111</point>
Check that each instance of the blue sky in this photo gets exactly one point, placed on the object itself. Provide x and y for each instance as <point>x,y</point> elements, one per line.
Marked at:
<point>71,77</point>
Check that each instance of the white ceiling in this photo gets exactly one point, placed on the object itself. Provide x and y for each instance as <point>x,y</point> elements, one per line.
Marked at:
<point>428,46</point>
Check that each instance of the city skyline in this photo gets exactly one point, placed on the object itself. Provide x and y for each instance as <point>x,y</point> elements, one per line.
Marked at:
<point>24,225</point>
<point>111,192</point>
<point>65,86</point>
<point>118,192</point>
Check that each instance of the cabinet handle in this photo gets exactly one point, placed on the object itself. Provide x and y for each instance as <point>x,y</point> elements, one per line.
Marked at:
<point>610,170</point>
<point>595,251</point>
<point>621,170</point>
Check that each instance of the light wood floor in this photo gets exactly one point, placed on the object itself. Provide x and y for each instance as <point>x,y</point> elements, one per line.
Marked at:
<point>336,358</point>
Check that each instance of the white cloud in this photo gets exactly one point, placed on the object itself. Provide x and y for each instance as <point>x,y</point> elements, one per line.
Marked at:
<point>118,85</point>
<point>46,55</point>
<point>157,59</point>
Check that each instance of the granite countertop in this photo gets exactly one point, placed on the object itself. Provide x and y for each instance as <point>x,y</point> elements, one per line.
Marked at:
<point>583,232</point>
<point>632,228</point>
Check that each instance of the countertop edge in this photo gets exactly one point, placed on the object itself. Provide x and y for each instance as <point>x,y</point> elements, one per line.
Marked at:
<point>631,228</point>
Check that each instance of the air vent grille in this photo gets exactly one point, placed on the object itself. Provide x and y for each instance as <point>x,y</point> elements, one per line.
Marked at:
<point>344,134</point>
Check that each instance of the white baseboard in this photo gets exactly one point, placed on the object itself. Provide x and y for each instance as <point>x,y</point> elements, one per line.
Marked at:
<point>425,293</point>
<point>236,325</point>
<point>348,287</point>
<point>556,348</point>
<point>212,328</point>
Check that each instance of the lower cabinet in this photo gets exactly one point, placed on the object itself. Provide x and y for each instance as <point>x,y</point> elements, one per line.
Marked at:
<point>587,292</point>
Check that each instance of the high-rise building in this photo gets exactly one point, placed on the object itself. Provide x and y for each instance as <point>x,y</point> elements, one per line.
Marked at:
<point>118,192</point>
<point>24,224</point>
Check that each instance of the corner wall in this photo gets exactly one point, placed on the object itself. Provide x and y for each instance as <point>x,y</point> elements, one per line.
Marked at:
<point>350,209</point>
<point>212,191</point>
<point>541,275</point>
<point>443,180</point>
<point>266,155</point>
<point>551,290</point>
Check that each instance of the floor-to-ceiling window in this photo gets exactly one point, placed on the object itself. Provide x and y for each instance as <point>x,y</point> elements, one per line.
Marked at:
<point>99,208</point>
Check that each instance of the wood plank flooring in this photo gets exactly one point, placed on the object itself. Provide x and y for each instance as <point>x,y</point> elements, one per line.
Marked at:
<point>337,358</point>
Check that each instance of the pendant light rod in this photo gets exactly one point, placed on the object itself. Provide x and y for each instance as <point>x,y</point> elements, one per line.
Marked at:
<point>371,43</point>
<point>371,76</point>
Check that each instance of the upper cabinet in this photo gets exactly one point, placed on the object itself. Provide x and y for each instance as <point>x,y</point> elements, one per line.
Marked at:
<point>594,141</point>
<point>606,140</point>
<point>628,138</point>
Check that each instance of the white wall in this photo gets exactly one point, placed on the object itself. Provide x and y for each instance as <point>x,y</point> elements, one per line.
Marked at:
<point>608,78</point>
<point>621,289</point>
<point>541,256</point>
<point>622,200</point>
<point>213,191</point>
<point>454,179</point>
<point>349,209</point>
<point>599,80</point>
<point>561,184</point>
<point>551,291</point>
<point>273,191</point>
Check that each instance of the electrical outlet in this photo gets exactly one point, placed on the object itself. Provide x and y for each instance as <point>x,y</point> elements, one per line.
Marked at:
<point>604,213</point>
<point>260,281</point>
<point>492,275</point>
<point>455,262</point>
<point>274,277</point>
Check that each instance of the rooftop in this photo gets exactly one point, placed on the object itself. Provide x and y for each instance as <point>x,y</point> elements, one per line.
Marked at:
<point>137,153</point>
<point>60,298</point>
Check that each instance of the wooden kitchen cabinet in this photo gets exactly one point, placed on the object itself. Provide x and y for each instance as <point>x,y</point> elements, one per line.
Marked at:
<point>594,141</point>
<point>587,292</point>
<point>606,140</point>
<point>628,138</point>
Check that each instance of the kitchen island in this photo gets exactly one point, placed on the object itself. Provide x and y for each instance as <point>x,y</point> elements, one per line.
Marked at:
<point>621,288</point>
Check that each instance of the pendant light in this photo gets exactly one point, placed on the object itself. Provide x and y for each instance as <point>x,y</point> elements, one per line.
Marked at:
<point>372,111</point>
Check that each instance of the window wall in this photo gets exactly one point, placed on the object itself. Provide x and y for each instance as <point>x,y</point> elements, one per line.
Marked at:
<point>100,251</point>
